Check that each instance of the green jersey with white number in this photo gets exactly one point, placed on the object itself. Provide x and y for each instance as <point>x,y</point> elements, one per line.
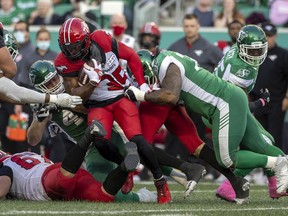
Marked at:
<point>232,69</point>
<point>201,91</point>
<point>69,122</point>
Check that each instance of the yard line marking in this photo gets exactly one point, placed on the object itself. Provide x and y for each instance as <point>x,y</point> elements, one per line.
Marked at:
<point>13,212</point>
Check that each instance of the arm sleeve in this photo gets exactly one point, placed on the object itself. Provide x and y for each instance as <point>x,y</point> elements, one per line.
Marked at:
<point>255,105</point>
<point>19,94</point>
<point>133,61</point>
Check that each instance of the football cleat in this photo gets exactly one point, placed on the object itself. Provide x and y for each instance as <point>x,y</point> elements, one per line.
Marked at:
<point>129,183</point>
<point>272,188</point>
<point>281,173</point>
<point>194,173</point>
<point>241,187</point>
<point>163,193</point>
<point>132,159</point>
<point>226,192</point>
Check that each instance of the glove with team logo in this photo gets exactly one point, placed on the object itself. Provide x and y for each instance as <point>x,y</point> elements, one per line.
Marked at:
<point>134,94</point>
<point>94,71</point>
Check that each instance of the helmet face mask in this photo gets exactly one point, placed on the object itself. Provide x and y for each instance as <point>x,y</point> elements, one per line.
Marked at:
<point>149,35</point>
<point>11,44</point>
<point>146,58</point>
<point>74,39</point>
<point>252,44</point>
<point>45,78</point>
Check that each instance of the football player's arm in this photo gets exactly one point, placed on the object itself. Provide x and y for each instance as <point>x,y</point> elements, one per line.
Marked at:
<point>6,177</point>
<point>133,61</point>
<point>170,88</point>
<point>7,65</point>
<point>71,86</point>
<point>36,131</point>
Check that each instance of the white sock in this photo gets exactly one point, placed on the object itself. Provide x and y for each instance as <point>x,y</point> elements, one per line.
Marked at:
<point>271,162</point>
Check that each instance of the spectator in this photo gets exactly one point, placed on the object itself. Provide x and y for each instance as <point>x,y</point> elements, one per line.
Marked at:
<point>203,11</point>
<point>118,24</point>
<point>9,13</point>
<point>273,75</point>
<point>279,12</point>
<point>22,35</point>
<point>228,14</point>
<point>26,6</point>
<point>44,14</point>
<point>80,10</point>
<point>233,30</point>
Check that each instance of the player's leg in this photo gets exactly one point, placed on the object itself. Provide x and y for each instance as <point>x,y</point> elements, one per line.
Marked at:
<point>127,116</point>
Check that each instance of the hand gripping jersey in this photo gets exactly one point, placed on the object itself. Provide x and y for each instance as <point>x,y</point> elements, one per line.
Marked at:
<point>201,91</point>
<point>28,169</point>
<point>232,69</point>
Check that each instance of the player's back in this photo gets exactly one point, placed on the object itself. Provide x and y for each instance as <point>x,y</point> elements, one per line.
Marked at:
<point>201,90</point>
<point>28,169</point>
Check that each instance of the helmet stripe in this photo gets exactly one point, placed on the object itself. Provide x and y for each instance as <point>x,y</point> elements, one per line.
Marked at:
<point>67,28</point>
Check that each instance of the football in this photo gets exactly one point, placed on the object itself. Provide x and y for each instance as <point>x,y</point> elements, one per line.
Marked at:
<point>82,76</point>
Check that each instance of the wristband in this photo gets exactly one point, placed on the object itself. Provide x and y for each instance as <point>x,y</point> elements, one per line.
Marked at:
<point>262,101</point>
<point>53,99</point>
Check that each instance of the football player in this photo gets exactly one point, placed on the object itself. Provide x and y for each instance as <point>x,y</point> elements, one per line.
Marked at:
<point>224,105</point>
<point>31,176</point>
<point>240,66</point>
<point>12,93</point>
<point>103,95</point>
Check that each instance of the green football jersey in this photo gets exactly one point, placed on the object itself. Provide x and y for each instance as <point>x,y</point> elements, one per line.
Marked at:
<point>201,91</point>
<point>71,123</point>
<point>232,69</point>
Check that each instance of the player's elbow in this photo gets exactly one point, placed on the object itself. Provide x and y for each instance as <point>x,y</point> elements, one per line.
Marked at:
<point>33,139</point>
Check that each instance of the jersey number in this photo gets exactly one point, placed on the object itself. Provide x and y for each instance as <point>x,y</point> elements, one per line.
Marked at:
<point>27,162</point>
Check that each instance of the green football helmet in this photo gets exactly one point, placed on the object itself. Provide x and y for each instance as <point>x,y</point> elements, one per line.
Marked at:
<point>11,44</point>
<point>147,58</point>
<point>45,78</point>
<point>252,44</point>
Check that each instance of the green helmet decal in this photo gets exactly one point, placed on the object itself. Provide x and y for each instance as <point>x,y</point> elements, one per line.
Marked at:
<point>44,77</point>
<point>11,44</point>
<point>253,46</point>
<point>147,58</point>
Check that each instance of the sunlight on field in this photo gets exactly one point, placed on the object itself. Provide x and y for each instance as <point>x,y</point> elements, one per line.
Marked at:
<point>201,202</point>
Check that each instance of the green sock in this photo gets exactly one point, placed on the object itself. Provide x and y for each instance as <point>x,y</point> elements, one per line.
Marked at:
<point>250,160</point>
<point>130,197</point>
<point>166,170</point>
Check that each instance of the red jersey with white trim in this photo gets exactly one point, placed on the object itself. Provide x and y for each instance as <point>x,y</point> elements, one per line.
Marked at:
<point>28,169</point>
<point>114,79</point>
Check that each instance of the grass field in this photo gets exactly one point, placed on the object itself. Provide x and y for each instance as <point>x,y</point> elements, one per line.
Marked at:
<point>201,202</point>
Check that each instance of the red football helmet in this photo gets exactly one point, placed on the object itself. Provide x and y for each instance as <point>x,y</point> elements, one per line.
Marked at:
<point>74,38</point>
<point>151,29</point>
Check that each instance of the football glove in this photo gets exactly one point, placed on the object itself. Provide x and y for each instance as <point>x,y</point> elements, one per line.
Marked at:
<point>94,73</point>
<point>65,100</point>
<point>44,111</point>
<point>134,94</point>
<point>265,96</point>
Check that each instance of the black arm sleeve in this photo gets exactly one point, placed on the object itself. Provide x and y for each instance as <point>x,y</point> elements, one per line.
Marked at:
<point>255,105</point>
<point>6,171</point>
<point>2,43</point>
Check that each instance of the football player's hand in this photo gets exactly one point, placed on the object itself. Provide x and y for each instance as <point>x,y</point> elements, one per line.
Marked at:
<point>94,72</point>
<point>134,94</point>
<point>265,96</point>
<point>145,87</point>
<point>65,100</point>
<point>44,111</point>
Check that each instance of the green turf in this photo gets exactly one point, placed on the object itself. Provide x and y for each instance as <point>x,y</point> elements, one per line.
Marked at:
<point>201,202</point>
